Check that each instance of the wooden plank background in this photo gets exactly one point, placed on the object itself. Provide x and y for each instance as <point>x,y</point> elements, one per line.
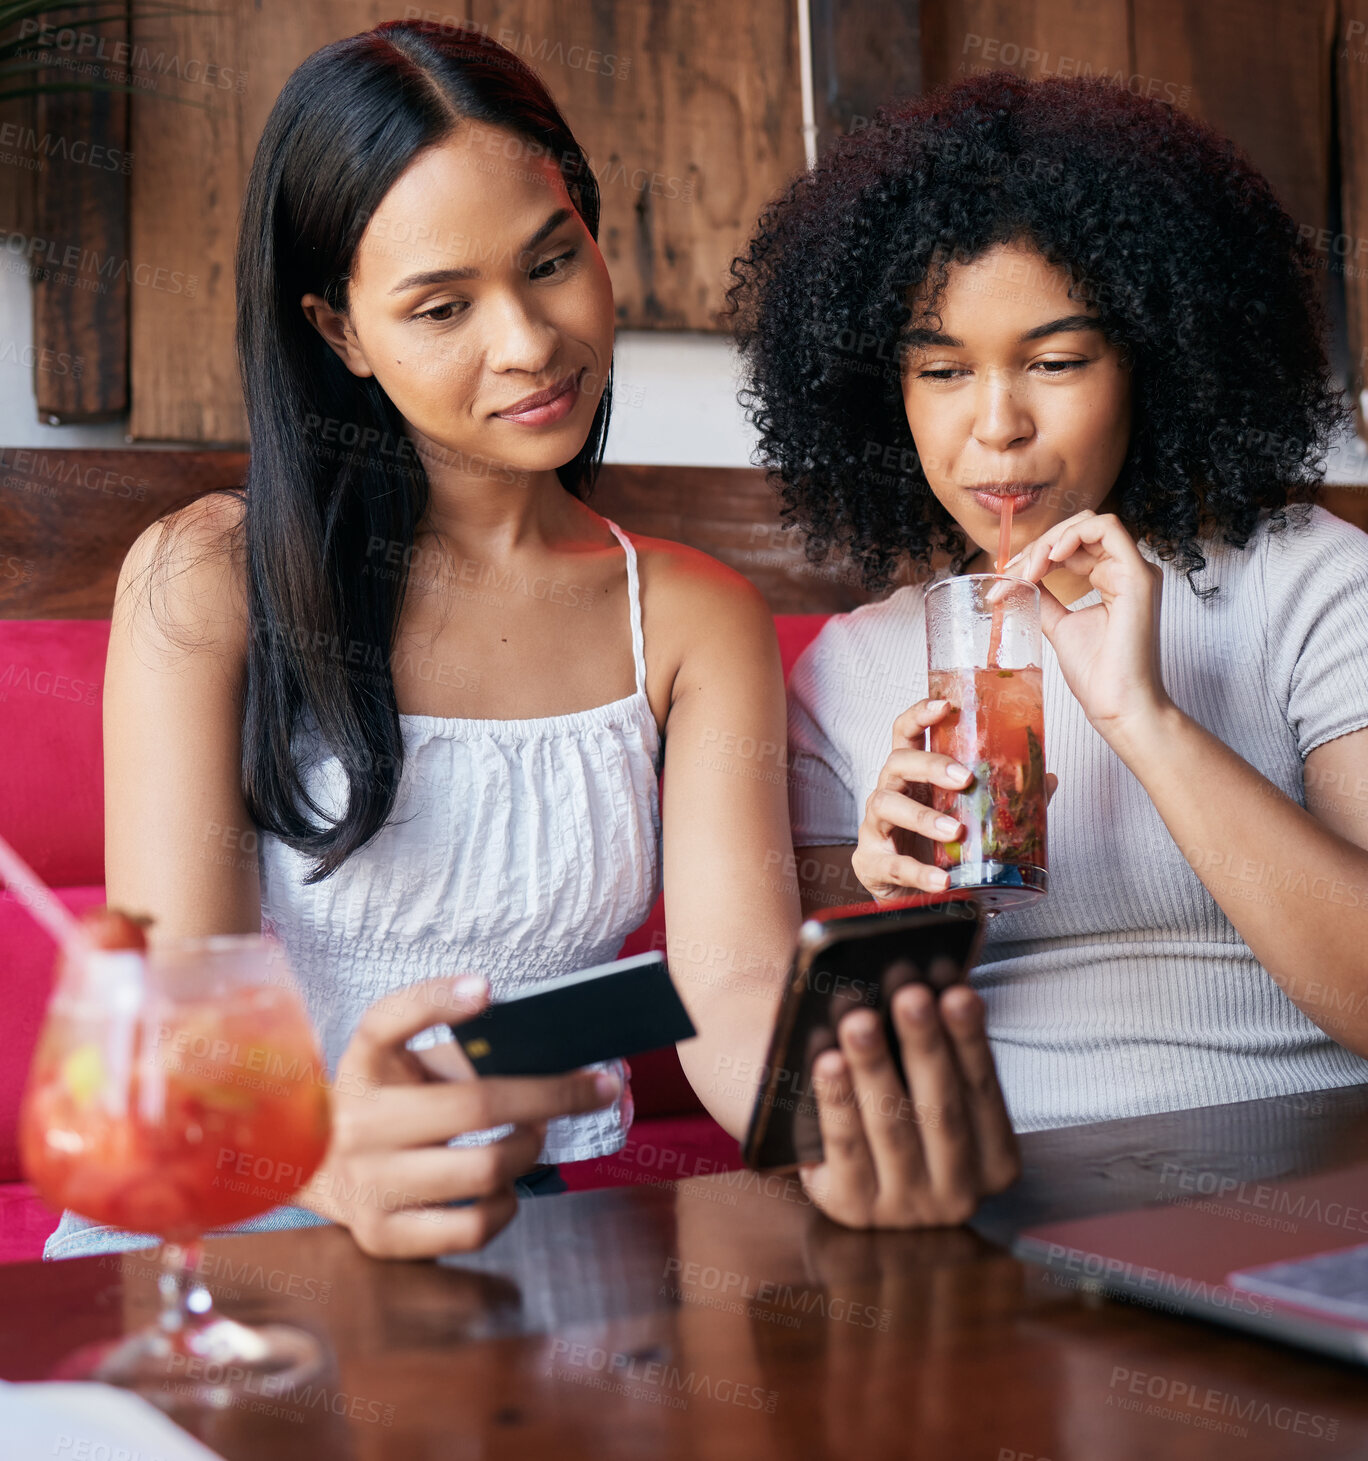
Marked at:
<point>692,128</point>
<point>82,284</point>
<point>864,53</point>
<point>1351,58</point>
<point>690,114</point>
<point>1259,70</point>
<point>187,186</point>
<point>1032,37</point>
<point>68,517</point>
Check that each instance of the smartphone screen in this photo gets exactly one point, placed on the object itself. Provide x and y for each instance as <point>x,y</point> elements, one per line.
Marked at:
<point>846,960</point>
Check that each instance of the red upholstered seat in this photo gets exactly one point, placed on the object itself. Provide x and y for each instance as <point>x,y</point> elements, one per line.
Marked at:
<point>52,771</point>
<point>52,809</point>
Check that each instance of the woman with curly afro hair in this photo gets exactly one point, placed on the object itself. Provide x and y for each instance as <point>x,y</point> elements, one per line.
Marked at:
<point>1093,305</point>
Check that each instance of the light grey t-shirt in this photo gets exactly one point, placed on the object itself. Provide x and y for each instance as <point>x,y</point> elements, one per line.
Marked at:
<point>1127,990</point>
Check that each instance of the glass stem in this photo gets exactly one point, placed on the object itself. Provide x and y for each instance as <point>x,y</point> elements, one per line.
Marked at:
<point>185,1302</point>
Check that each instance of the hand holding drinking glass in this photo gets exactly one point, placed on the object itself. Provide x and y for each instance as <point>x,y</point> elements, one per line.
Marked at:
<point>901,827</point>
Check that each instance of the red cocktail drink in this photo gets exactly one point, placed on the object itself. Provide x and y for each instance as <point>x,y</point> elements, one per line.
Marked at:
<point>995,727</point>
<point>984,661</point>
<point>183,1118</point>
<point>174,1090</point>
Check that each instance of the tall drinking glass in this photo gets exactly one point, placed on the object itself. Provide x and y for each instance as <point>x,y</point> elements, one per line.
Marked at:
<point>173,1092</point>
<point>984,658</point>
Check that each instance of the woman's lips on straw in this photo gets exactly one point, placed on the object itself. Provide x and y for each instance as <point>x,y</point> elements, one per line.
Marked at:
<point>994,502</point>
<point>546,407</point>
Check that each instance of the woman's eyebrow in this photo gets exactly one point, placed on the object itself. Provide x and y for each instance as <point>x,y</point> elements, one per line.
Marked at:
<point>454,276</point>
<point>1063,324</point>
<point>931,337</point>
<point>435,276</point>
<point>919,337</point>
<point>546,230</point>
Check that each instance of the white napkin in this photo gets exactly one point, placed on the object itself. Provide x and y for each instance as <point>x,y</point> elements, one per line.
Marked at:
<point>71,1421</point>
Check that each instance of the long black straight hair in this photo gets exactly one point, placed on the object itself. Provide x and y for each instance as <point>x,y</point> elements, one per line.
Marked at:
<point>331,471</point>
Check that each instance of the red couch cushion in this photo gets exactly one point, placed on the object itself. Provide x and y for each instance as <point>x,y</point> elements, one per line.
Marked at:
<point>51,674</point>
<point>25,1222</point>
<point>52,781</point>
<point>796,632</point>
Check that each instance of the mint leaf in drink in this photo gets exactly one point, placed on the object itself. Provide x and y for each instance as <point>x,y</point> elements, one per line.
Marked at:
<point>1035,770</point>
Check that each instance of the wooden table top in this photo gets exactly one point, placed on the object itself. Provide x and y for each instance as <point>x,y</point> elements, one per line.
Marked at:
<point>722,1317</point>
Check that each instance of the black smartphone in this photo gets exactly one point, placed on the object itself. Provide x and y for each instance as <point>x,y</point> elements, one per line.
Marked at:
<point>611,1010</point>
<point>846,959</point>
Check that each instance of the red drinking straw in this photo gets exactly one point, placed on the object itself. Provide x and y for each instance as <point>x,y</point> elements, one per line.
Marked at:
<point>35,895</point>
<point>1004,552</point>
<point>1004,536</point>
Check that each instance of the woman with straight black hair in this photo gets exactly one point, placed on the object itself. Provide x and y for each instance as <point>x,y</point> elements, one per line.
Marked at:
<point>406,700</point>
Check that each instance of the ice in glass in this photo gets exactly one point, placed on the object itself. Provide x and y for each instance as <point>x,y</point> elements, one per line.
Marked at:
<point>984,659</point>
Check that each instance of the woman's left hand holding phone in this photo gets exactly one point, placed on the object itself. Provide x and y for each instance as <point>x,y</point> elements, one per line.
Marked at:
<point>917,1155</point>
<point>389,1175</point>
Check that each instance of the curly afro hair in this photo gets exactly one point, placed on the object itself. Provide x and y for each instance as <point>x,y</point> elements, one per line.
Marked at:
<point>1194,268</point>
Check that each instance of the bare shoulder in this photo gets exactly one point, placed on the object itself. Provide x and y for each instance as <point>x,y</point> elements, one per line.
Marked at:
<point>698,594</point>
<point>183,584</point>
<point>709,631</point>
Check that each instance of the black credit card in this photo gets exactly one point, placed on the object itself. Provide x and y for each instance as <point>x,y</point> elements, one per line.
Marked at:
<point>611,1010</point>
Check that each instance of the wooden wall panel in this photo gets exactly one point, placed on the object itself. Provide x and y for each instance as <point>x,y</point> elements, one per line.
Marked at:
<point>190,168</point>
<point>1260,71</point>
<point>1351,59</point>
<point>864,53</point>
<point>68,517</point>
<point>186,182</point>
<point>1257,69</point>
<point>17,166</point>
<point>693,129</point>
<point>82,282</point>
<point>1032,37</point>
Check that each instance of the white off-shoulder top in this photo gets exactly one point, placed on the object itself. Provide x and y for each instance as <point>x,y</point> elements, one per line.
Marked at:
<point>517,849</point>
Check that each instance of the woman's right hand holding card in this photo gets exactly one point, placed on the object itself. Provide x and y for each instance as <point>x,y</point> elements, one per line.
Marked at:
<point>389,1175</point>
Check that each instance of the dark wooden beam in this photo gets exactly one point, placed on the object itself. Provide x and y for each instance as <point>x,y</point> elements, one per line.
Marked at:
<point>733,514</point>
<point>864,53</point>
<point>79,255</point>
<point>68,517</point>
<point>1351,74</point>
